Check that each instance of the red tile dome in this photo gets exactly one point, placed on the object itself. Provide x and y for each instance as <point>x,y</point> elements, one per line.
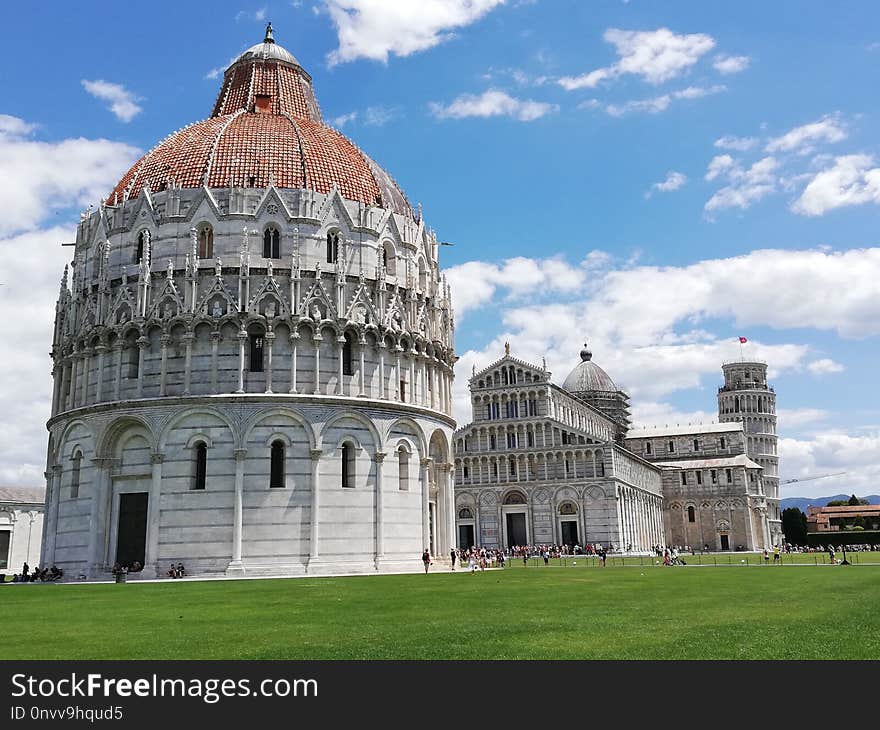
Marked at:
<point>266,128</point>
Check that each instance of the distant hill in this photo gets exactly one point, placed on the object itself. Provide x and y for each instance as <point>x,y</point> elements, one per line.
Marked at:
<point>803,502</point>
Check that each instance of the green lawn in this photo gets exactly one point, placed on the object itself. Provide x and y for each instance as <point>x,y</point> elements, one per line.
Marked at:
<point>866,558</point>
<point>533,613</point>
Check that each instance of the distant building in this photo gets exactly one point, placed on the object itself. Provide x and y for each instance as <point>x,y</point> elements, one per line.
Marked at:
<point>834,519</point>
<point>543,464</point>
<point>21,525</point>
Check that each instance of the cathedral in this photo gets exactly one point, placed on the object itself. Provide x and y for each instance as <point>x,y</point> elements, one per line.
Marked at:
<point>252,354</point>
<point>542,464</point>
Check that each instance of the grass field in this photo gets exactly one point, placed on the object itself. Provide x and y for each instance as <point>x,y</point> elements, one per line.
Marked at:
<point>540,613</point>
<point>715,559</point>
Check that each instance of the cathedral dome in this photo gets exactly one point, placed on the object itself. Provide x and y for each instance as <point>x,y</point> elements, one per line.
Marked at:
<point>266,129</point>
<point>588,376</point>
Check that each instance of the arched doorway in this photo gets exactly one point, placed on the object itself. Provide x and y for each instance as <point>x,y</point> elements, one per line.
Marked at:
<point>515,521</point>
<point>568,523</point>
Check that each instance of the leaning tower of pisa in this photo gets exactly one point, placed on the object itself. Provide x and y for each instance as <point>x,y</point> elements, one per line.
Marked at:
<point>746,397</point>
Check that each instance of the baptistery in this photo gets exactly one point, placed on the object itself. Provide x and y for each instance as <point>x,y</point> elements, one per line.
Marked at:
<point>253,354</point>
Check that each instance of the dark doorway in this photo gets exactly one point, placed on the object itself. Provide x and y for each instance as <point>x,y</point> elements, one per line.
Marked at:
<point>131,541</point>
<point>516,529</point>
<point>725,542</point>
<point>570,533</point>
<point>465,537</point>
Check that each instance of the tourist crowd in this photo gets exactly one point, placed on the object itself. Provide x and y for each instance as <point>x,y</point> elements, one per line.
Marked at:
<point>38,575</point>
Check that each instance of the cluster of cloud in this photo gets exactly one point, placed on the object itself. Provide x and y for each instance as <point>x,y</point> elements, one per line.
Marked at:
<point>39,178</point>
<point>844,180</point>
<point>375,29</point>
<point>654,56</point>
<point>492,103</point>
<point>122,102</point>
<point>654,104</point>
<point>372,116</point>
<point>674,180</point>
<point>829,452</point>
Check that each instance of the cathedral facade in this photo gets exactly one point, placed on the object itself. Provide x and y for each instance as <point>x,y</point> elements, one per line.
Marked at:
<point>544,464</point>
<point>252,354</point>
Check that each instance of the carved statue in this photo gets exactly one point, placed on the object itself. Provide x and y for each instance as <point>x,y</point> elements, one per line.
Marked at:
<point>359,316</point>
<point>270,310</point>
<point>217,311</point>
<point>218,267</point>
<point>269,270</point>
<point>316,313</point>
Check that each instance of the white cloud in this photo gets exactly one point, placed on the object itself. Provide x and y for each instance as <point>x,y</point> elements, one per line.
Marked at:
<point>792,418</point>
<point>375,29</point>
<point>851,180</point>
<point>661,103</point>
<point>731,64</point>
<point>492,103</point>
<point>123,103</point>
<point>674,180</point>
<point>739,144</point>
<point>719,165</point>
<point>825,366</point>
<point>802,140</point>
<point>655,56</point>
<point>372,116</point>
<point>829,452</point>
<point>746,186</point>
<point>659,349</point>
<point>42,177</point>
<point>344,119</point>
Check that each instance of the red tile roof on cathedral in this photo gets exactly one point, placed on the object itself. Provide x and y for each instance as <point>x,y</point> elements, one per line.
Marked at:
<point>266,128</point>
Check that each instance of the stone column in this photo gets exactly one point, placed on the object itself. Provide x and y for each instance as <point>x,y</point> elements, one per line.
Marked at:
<point>316,340</point>
<point>270,342</point>
<point>215,345</point>
<point>340,342</point>
<point>163,377</point>
<point>315,454</point>
<point>187,374</point>
<point>151,557</point>
<point>235,565</point>
<point>98,517</point>
<point>99,388</point>
<point>71,391</point>
<point>64,396</point>
<point>117,383</point>
<point>396,391</point>
<point>429,384</point>
<point>362,343</point>
<point>56,387</point>
<point>379,458</point>
<point>242,341</point>
<point>426,480</point>
<point>451,537</point>
<point>294,341</point>
<point>382,368</point>
<point>143,343</point>
<point>87,356</point>
<point>53,483</point>
<point>413,397</point>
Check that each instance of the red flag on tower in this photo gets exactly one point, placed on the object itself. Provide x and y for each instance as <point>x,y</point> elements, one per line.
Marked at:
<point>742,340</point>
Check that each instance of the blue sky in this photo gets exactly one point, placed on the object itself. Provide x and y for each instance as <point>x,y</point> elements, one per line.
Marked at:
<point>658,178</point>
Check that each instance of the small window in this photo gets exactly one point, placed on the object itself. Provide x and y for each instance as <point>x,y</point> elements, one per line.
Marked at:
<point>699,477</point>
<point>648,448</point>
<point>465,514</point>
<point>696,445</point>
<point>403,391</point>
<point>684,479</point>
<point>671,447</point>
<point>206,242</point>
<point>263,103</point>
<point>530,438</point>
<point>730,476</point>
<point>142,239</point>
<point>347,466</point>
<point>332,247</point>
<point>511,441</point>
<point>276,467</point>
<point>495,469</point>
<point>256,358</point>
<point>134,358</point>
<point>691,516</point>
<point>714,475</point>
<point>201,465</point>
<point>492,442</point>
<point>271,243</point>
<point>75,475</point>
<point>465,471</point>
<point>723,443</point>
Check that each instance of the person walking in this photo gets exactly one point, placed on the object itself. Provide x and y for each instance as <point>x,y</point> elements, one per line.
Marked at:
<point>452,556</point>
<point>426,559</point>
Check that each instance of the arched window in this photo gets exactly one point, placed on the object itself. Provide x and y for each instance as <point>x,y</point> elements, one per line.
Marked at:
<point>348,354</point>
<point>256,358</point>
<point>691,516</point>
<point>75,474</point>
<point>465,514</point>
<point>141,244</point>
<point>347,466</point>
<point>389,259</point>
<point>200,471</point>
<point>276,468</point>
<point>332,247</point>
<point>271,243</point>
<point>403,469</point>
<point>423,276</point>
<point>206,241</point>
<point>567,508</point>
<point>515,498</point>
<point>134,356</point>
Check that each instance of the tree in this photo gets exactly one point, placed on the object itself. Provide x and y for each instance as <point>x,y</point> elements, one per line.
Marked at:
<point>853,501</point>
<point>794,525</point>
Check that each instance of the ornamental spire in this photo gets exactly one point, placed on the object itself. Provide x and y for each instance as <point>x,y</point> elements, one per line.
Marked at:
<point>269,38</point>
